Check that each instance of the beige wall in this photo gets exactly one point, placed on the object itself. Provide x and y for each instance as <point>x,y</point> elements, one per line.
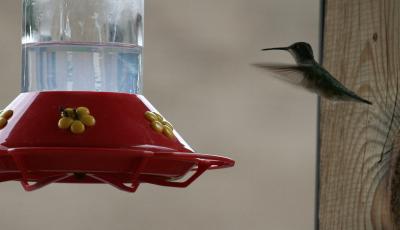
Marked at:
<point>197,74</point>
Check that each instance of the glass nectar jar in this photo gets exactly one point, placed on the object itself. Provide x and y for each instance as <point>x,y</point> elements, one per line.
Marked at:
<point>85,45</point>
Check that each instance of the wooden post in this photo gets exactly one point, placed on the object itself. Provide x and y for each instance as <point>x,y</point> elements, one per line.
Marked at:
<point>362,49</point>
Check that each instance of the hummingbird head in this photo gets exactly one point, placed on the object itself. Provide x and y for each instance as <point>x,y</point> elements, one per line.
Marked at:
<point>301,51</point>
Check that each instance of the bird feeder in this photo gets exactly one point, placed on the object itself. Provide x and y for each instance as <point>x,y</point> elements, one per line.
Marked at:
<point>80,117</point>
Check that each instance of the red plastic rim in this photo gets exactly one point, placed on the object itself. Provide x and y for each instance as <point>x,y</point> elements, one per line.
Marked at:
<point>124,169</point>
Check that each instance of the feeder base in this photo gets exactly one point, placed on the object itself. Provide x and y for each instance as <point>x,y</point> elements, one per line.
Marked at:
<point>121,149</point>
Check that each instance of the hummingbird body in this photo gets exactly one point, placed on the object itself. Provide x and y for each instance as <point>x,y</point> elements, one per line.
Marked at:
<point>311,75</point>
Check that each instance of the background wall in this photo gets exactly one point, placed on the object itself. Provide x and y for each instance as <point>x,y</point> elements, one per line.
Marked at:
<point>197,73</point>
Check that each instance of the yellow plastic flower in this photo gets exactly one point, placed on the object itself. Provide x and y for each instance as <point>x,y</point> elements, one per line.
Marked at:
<point>76,120</point>
<point>159,124</point>
<point>4,117</point>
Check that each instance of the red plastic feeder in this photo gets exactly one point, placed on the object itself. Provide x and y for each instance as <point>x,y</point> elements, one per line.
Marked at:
<point>122,147</point>
<point>61,130</point>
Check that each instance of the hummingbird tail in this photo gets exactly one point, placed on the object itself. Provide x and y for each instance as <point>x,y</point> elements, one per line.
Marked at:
<point>359,99</point>
<point>366,101</point>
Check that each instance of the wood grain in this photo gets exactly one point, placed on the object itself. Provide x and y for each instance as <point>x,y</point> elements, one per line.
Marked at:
<point>361,49</point>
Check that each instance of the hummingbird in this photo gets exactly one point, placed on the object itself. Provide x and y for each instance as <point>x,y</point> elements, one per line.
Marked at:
<point>310,75</point>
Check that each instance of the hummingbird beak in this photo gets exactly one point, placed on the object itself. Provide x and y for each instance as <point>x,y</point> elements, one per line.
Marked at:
<point>277,48</point>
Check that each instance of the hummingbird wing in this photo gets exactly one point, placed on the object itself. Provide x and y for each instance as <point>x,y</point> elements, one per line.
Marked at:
<point>294,74</point>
